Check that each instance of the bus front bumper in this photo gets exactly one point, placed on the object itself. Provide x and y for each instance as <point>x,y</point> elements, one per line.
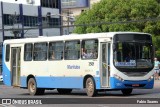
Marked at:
<point>140,84</point>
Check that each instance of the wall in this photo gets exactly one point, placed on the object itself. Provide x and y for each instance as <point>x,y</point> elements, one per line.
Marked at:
<point>28,10</point>
<point>74,4</point>
<point>35,2</point>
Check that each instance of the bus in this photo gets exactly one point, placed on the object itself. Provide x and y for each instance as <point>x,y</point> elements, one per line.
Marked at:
<point>28,63</point>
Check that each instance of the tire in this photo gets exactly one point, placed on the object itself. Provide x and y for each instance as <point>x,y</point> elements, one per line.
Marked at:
<point>90,87</point>
<point>64,91</point>
<point>126,91</point>
<point>32,88</point>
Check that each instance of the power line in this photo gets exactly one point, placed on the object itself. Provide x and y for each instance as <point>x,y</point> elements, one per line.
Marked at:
<point>91,24</point>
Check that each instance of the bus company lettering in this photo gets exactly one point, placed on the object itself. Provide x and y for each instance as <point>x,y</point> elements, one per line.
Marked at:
<point>73,67</point>
<point>27,101</point>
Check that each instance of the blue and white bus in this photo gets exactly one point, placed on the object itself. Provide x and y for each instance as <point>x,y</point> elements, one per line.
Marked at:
<point>28,63</point>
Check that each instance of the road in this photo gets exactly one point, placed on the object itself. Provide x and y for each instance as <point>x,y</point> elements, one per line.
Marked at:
<point>77,95</point>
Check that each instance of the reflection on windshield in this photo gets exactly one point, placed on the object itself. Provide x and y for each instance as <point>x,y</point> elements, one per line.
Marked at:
<point>132,55</point>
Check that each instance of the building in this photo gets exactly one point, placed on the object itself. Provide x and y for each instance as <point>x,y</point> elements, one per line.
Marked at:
<point>28,18</point>
<point>72,8</point>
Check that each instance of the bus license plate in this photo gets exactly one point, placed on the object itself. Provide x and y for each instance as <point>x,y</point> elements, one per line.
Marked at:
<point>135,85</point>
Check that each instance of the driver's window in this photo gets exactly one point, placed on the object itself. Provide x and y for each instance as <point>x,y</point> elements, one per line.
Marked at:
<point>145,53</point>
<point>118,53</point>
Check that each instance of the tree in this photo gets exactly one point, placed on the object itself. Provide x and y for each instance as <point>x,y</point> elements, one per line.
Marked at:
<point>121,15</point>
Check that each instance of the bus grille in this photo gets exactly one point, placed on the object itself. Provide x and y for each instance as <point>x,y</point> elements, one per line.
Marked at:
<point>135,74</point>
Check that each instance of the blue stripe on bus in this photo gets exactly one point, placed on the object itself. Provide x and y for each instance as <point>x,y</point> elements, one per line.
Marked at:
<point>56,82</point>
<point>6,75</point>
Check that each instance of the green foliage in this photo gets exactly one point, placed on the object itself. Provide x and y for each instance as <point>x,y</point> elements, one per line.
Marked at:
<point>156,41</point>
<point>110,15</point>
<point>157,54</point>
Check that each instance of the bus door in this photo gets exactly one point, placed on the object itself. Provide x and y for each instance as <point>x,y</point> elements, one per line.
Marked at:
<point>105,64</point>
<point>15,66</point>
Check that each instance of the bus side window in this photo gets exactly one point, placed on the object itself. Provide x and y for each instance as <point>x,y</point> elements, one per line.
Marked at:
<point>7,52</point>
<point>89,49</point>
<point>28,51</point>
<point>72,50</point>
<point>56,50</point>
<point>40,51</point>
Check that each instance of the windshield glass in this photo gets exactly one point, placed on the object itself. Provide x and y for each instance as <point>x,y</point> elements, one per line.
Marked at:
<point>133,55</point>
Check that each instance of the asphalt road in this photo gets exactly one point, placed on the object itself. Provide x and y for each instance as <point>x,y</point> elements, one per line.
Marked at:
<point>6,92</point>
<point>78,96</point>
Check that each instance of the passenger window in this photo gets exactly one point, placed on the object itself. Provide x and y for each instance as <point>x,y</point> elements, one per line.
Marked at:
<point>40,51</point>
<point>7,52</point>
<point>55,51</point>
<point>28,52</point>
<point>89,49</point>
<point>72,50</point>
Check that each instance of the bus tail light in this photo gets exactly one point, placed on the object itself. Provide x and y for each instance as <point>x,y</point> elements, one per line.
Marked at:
<point>118,77</point>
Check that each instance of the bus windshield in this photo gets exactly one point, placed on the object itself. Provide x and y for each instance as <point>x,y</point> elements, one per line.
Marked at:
<point>133,54</point>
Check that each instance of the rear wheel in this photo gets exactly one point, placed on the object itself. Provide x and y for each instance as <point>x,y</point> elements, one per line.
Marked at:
<point>90,87</point>
<point>32,88</point>
<point>127,91</point>
<point>64,91</point>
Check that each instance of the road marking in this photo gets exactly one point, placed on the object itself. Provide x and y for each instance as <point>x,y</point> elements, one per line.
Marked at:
<point>4,105</point>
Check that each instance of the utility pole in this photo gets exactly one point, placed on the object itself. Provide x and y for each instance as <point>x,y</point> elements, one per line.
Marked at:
<point>68,14</point>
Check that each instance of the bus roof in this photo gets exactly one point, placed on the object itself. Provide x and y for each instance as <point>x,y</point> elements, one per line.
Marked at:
<point>67,37</point>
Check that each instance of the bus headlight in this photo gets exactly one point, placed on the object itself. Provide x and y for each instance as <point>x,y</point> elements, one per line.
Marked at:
<point>118,77</point>
<point>150,78</point>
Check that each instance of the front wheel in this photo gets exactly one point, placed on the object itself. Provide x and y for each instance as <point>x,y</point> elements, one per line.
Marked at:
<point>126,91</point>
<point>32,88</point>
<point>90,87</point>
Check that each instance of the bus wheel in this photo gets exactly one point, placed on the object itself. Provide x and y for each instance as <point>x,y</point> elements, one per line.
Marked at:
<point>32,88</point>
<point>127,91</point>
<point>64,91</point>
<point>90,87</point>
